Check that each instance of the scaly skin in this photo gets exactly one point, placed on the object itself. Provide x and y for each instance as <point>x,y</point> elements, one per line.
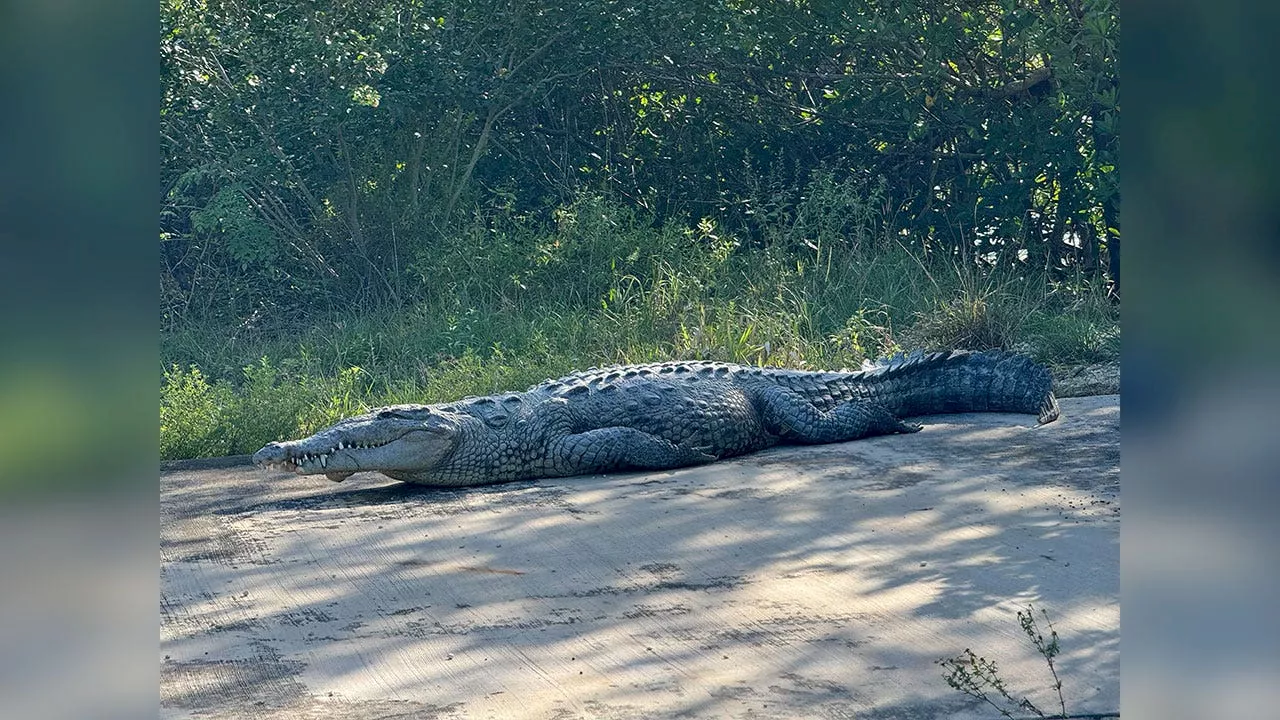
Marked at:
<point>659,416</point>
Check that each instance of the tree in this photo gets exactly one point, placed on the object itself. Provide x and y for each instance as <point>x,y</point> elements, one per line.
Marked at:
<point>311,152</point>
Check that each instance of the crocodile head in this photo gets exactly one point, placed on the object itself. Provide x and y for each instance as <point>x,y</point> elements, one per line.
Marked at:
<point>387,440</point>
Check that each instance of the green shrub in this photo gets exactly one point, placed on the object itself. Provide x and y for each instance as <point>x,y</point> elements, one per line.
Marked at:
<point>203,419</point>
<point>267,408</point>
<point>325,401</point>
<point>194,415</point>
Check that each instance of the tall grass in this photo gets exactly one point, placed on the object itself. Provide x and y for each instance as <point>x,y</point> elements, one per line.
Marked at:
<point>510,304</point>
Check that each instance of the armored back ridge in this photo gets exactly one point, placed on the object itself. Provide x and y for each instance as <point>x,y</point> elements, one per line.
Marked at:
<point>662,415</point>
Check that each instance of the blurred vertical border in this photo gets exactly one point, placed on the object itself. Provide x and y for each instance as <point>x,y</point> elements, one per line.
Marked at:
<point>1200,473</point>
<point>79,169</point>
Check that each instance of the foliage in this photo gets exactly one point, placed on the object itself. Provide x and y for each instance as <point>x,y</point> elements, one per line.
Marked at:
<point>199,418</point>
<point>315,155</point>
<point>192,415</point>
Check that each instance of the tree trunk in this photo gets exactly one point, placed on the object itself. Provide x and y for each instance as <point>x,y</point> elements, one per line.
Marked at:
<point>481,143</point>
<point>1113,247</point>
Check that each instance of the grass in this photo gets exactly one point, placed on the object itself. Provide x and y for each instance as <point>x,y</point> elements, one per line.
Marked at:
<point>507,306</point>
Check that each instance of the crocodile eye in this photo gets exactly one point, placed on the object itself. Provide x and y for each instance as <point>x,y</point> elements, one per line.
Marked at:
<point>386,415</point>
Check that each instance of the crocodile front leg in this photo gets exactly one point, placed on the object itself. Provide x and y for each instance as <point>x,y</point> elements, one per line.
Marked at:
<point>616,448</point>
<point>796,420</point>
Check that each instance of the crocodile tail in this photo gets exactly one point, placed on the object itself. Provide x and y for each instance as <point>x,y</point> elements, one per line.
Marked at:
<point>956,381</point>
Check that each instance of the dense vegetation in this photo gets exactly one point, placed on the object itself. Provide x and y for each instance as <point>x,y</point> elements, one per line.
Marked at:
<point>375,201</point>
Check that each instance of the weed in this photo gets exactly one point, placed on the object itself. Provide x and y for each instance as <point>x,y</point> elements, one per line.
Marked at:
<point>979,678</point>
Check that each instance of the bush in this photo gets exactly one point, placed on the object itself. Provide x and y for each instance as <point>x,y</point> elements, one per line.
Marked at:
<point>194,415</point>
<point>203,419</point>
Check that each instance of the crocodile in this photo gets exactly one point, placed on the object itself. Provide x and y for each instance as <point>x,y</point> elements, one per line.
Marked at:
<point>661,416</point>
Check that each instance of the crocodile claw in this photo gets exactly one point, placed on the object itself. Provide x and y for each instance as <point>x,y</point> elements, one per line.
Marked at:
<point>703,454</point>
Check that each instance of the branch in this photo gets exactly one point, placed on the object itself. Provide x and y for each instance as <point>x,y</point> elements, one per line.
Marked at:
<point>476,153</point>
<point>272,146</point>
<point>1017,87</point>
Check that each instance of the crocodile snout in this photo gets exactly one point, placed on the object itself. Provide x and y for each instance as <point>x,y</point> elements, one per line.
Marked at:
<point>272,453</point>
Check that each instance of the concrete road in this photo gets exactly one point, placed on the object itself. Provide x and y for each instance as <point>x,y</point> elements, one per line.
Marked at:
<point>817,582</point>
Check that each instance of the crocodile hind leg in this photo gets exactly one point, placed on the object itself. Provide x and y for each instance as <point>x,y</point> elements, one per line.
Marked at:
<point>616,448</point>
<point>796,420</point>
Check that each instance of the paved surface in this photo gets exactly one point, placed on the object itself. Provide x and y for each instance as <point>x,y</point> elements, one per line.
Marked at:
<point>795,583</point>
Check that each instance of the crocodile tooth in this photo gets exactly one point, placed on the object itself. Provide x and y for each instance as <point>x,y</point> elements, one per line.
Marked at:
<point>324,460</point>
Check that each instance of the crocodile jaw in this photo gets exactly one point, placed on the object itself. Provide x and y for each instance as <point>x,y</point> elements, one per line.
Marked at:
<point>365,443</point>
